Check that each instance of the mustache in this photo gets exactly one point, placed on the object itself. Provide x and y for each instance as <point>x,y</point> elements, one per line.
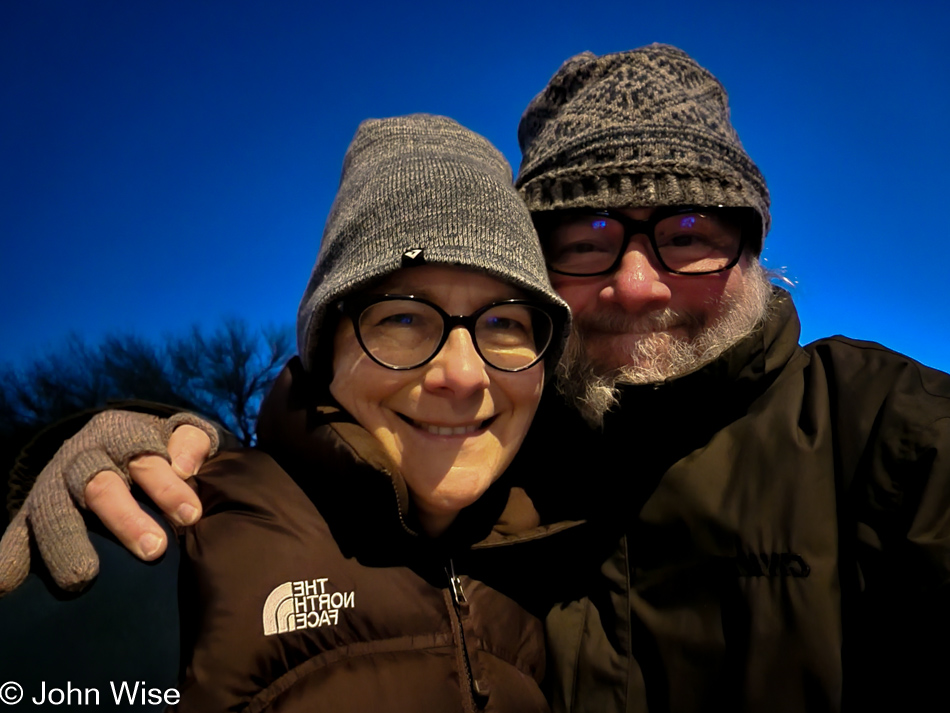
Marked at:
<point>623,323</point>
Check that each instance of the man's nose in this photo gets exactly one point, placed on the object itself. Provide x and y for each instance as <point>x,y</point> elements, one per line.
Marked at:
<point>457,368</point>
<point>638,285</point>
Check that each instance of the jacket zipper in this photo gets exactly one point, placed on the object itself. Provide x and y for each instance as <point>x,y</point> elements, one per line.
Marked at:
<point>478,689</point>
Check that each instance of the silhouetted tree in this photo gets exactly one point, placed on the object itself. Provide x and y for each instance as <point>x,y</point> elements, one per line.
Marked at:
<point>226,373</point>
<point>222,374</point>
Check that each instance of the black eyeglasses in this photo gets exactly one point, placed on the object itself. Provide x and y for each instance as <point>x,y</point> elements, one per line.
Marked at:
<point>406,332</point>
<point>685,240</point>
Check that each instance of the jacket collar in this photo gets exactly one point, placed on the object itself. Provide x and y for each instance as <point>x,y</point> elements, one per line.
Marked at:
<point>568,468</point>
<point>316,441</point>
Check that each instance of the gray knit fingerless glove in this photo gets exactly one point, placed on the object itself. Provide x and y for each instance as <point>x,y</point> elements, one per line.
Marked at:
<point>108,442</point>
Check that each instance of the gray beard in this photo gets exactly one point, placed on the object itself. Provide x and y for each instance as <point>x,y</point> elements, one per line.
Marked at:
<point>659,356</point>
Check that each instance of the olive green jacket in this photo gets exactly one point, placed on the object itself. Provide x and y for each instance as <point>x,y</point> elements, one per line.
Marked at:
<point>775,534</point>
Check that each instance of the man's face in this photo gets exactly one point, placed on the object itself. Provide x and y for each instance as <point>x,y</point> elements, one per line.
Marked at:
<point>615,312</point>
<point>643,324</point>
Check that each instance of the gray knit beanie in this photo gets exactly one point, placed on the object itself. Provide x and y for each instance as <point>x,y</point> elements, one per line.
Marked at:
<point>416,190</point>
<point>647,127</point>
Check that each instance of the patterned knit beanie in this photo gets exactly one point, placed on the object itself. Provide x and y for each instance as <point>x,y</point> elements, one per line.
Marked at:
<point>417,190</point>
<point>647,127</point>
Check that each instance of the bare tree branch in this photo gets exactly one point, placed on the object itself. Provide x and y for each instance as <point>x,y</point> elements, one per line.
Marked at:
<point>223,374</point>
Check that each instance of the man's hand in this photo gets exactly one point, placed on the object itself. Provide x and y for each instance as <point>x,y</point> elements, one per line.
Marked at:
<point>109,497</point>
<point>95,469</point>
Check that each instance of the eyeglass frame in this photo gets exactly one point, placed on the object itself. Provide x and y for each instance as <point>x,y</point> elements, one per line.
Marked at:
<point>647,227</point>
<point>354,307</point>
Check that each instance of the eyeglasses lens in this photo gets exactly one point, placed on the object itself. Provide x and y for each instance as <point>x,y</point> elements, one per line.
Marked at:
<point>585,245</point>
<point>400,333</point>
<point>511,337</point>
<point>696,242</point>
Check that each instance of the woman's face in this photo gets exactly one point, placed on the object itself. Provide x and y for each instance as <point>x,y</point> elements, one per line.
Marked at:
<point>453,425</point>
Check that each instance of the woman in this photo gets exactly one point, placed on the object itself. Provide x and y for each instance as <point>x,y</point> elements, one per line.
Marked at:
<point>369,555</point>
<point>344,569</point>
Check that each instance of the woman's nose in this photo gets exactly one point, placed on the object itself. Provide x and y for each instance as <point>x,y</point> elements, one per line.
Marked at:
<point>457,367</point>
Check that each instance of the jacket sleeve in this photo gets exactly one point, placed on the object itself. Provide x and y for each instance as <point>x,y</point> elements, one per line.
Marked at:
<point>43,445</point>
<point>893,446</point>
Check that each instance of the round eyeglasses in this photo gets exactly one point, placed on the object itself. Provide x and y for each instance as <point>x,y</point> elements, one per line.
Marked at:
<point>406,332</point>
<point>685,240</point>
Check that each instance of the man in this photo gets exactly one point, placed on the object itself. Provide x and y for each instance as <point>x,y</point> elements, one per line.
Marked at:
<point>780,514</point>
<point>771,521</point>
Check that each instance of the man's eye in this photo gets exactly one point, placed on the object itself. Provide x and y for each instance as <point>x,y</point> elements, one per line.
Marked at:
<point>582,247</point>
<point>681,241</point>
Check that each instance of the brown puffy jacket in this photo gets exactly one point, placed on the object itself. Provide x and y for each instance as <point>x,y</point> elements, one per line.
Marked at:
<point>314,591</point>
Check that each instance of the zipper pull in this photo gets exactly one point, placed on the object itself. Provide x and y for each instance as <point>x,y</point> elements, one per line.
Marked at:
<point>479,688</point>
<point>455,585</point>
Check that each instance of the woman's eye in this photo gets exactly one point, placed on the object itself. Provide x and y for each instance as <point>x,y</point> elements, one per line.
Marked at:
<point>502,323</point>
<point>398,320</point>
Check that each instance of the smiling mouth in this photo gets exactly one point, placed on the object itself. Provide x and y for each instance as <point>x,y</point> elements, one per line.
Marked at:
<point>442,430</point>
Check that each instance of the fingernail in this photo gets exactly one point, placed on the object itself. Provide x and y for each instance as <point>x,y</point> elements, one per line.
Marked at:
<point>149,544</point>
<point>185,467</point>
<point>187,514</point>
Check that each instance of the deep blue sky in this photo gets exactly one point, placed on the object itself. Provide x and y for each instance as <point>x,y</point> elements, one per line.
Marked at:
<point>170,162</point>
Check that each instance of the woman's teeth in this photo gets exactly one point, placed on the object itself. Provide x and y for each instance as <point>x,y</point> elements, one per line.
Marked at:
<point>449,430</point>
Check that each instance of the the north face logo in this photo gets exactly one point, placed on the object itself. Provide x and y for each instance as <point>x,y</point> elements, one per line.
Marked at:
<point>305,604</point>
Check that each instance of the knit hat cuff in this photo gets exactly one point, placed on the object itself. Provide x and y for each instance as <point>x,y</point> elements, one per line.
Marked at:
<point>624,190</point>
<point>607,170</point>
